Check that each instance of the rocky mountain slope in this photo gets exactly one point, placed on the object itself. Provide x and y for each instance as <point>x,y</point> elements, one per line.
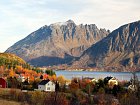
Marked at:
<point>57,43</point>
<point>119,48</point>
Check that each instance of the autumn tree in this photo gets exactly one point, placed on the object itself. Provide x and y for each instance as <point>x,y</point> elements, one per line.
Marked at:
<point>19,69</point>
<point>1,71</point>
<point>74,86</point>
<point>52,78</point>
<point>11,73</point>
<point>61,79</point>
<point>13,82</point>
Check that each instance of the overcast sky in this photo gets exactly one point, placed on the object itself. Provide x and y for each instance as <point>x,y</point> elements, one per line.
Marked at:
<point>18,18</point>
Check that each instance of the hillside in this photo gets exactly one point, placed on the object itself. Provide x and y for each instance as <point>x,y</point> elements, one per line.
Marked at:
<point>58,43</point>
<point>121,48</point>
<point>11,60</point>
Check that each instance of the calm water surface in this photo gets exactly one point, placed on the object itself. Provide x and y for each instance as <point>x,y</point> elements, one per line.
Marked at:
<point>119,75</point>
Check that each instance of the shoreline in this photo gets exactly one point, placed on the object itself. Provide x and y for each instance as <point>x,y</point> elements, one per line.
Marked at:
<point>98,71</point>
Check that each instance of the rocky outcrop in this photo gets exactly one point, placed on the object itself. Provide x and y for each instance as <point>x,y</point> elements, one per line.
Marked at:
<point>119,48</point>
<point>57,43</point>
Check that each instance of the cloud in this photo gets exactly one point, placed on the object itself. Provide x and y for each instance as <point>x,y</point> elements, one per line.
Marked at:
<point>110,13</point>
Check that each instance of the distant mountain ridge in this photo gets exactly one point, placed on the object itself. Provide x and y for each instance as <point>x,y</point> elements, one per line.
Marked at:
<point>119,48</point>
<point>58,43</point>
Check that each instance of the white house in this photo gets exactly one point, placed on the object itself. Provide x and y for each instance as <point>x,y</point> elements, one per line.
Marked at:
<point>132,87</point>
<point>113,81</point>
<point>46,85</point>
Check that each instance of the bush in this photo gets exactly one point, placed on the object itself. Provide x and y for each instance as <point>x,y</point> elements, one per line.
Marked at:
<point>128,99</point>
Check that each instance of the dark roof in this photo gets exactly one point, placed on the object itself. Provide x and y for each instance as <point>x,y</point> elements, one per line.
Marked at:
<point>43,82</point>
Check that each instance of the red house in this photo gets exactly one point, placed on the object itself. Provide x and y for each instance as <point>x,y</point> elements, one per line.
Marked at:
<point>3,83</point>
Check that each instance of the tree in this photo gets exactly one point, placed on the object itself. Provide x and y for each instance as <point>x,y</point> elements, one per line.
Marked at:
<point>53,78</point>
<point>61,79</point>
<point>41,77</point>
<point>35,83</point>
<point>50,72</point>
<point>19,69</point>
<point>1,71</point>
<point>115,90</point>
<point>13,82</point>
<point>11,73</point>
<point>45,76</point>
<point>74,86</point>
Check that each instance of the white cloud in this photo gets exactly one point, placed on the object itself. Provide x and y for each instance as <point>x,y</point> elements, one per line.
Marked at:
<point>21,17</point>
<point>110,13</point>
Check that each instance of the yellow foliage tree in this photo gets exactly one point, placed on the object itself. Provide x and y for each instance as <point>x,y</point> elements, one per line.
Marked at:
<point>61,79</point>
<point>19,69</point>
<point>54,77</point>
<point>11,73</point>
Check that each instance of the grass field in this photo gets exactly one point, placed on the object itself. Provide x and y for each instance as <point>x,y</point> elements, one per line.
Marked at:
<point>6,102</point>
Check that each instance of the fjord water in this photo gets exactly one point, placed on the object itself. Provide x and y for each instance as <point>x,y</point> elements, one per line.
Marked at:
<point>97,75</point>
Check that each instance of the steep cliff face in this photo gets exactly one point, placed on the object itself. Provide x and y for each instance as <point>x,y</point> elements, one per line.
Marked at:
<point>121,47</point>
<point>57,43</point>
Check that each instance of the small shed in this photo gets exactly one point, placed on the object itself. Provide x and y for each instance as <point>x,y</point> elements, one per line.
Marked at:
<point>46,85</point>
<point>3,83</point>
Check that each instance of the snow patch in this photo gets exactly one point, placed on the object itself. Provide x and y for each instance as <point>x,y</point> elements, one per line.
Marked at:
<point>62,23</point>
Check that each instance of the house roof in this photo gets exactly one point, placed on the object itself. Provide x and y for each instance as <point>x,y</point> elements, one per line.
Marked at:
<point>2,79</point>
<point>43,82</point>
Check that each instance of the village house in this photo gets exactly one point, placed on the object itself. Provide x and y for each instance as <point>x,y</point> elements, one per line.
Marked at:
<point>135,83</point>
<point>3,83</point>
<point>113,81</point>
<point>46,85</point>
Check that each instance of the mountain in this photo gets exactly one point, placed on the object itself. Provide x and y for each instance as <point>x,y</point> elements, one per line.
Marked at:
<point>58,43</point>
<point>121,48</point>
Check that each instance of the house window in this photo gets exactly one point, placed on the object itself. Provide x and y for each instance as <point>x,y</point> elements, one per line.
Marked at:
<point>48,88</point>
